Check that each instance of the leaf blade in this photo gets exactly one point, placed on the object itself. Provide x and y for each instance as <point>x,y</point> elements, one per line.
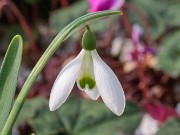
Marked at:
<point>8,77</point>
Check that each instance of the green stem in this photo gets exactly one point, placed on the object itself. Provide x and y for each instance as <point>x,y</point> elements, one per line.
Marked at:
<point>64,34</point>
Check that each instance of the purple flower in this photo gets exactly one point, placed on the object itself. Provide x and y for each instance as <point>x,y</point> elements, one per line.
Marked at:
<point>142,50</point>
<point>136,33</point>
<point>100,5</point>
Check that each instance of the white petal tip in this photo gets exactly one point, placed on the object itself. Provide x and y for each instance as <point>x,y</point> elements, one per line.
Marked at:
<point>53,106</point>
<point>119,113</point>
<point>96,98</point>
<point>93,94</point>
<point>51,109</point>
<point>118,110</point>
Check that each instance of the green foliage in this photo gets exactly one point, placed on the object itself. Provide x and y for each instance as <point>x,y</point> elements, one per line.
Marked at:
<point>171,127</point>
<point>30,109</point>
<point>8,77</point>
<point>172,16</point>
<point>151,9</point>
<point>79,117</point>
<point>169,55</point>
<point>160,14</point>
<point>62,17</point>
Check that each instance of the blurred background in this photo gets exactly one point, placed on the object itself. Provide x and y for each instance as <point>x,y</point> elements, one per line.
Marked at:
<point>142,47</point>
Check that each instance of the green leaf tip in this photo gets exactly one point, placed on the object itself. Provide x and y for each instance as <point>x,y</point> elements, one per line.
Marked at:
<point>113,12</point>
<point>120,12</point>
<point>17,38</point>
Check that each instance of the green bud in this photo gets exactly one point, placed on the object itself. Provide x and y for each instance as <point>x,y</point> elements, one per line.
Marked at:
<point>89,40</point>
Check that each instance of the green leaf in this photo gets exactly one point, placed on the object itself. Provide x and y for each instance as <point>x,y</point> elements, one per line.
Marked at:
<point>30,106</point>
<point>171,127</point>
<point>171,15</point>
<point>169,55</point>
<point>95,118</point>
<point>8,77</point>
<point>78,116</point>
<point>53,125</point>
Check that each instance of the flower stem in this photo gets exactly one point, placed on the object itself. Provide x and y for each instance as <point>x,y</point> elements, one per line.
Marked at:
<point>88,28</point>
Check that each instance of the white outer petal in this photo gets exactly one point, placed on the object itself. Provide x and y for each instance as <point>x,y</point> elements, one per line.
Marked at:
<point>93,94</point>
<point>65,82</point>
<point>108,85</point>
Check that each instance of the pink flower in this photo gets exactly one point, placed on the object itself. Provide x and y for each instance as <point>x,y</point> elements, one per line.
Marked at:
<point>159,112</point>
<point>100,5</point>
<point>136,33</point>
<point>142,50</point>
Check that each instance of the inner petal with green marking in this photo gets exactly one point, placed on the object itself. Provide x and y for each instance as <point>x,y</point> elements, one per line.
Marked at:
<point>86,80</point>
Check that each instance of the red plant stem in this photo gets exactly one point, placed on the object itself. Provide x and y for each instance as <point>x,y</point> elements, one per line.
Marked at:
<point>2,4</point>
<point>64,3</point>
<point>10,16</point>
<point>129,31</point>
<point>144,21</point>
<point>143,85</point>
<point>24,25</point>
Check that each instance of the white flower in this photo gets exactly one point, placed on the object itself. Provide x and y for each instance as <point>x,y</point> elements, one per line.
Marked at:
<point>93,76</point>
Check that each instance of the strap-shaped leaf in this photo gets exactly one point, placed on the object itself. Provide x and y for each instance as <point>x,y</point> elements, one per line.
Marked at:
<point>8,77</point>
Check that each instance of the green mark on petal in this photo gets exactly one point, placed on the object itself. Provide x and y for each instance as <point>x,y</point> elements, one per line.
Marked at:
<point>86,80</point>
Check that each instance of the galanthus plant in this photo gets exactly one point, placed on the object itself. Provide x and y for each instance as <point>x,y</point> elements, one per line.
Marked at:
<point>91,74</point>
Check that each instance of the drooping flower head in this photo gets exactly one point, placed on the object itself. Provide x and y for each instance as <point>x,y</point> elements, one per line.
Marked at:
<point>92,76</point>
<point>100,5</point>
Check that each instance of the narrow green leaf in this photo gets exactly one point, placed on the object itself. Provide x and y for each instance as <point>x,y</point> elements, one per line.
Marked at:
<point>8,77</point>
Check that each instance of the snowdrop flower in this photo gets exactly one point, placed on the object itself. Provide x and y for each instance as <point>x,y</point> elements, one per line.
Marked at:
<point>92,76</point>
<point>100,5</point>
